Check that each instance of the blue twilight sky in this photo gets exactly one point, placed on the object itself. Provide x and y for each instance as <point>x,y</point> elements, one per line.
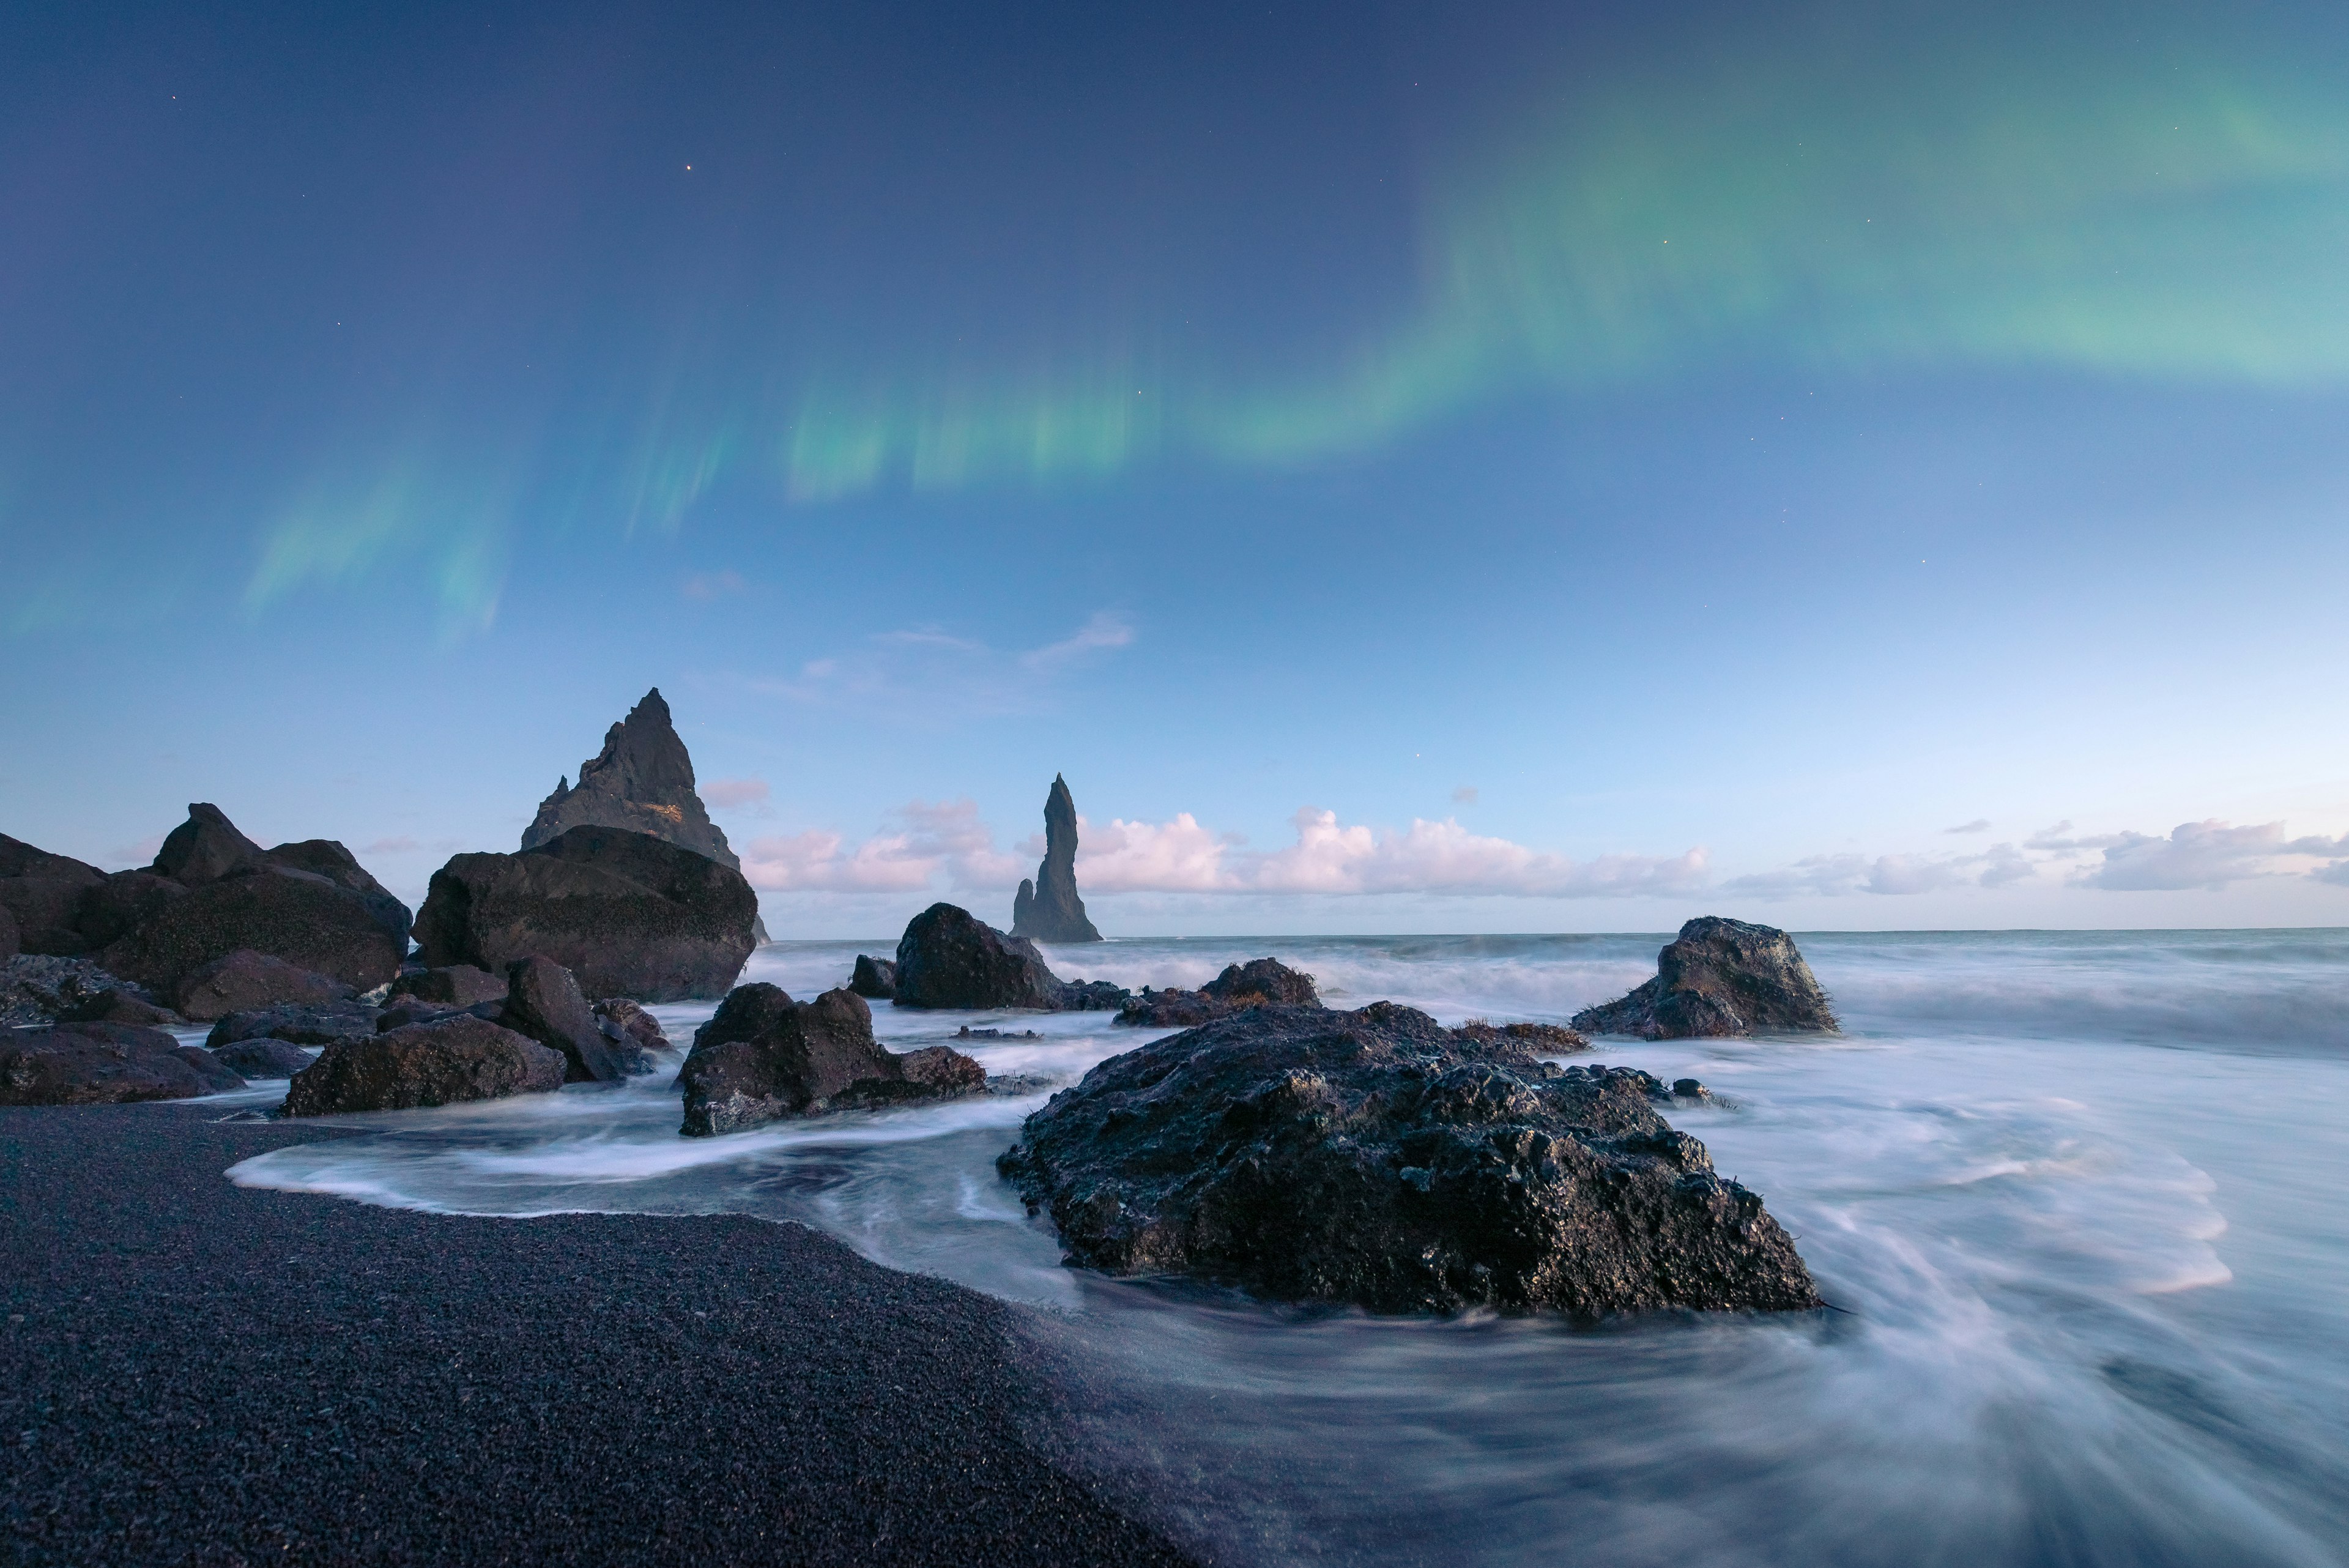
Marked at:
<point>1411,467</point>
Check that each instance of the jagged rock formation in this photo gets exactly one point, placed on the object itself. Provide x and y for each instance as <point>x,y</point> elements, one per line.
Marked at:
<point>1256,983</point>
<point>948,957</point>
<point>1378,1158</point>
<point>764,1056</point>
<point>642,781</point>
<point>1048,909</point>
<point>1719,977</point>
<point>627,913</point>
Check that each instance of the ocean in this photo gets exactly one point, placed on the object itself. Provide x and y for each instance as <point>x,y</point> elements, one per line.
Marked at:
<point>2080,1201</point>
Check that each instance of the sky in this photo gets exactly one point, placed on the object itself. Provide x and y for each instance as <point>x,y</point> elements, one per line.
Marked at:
<point>1411,468</point>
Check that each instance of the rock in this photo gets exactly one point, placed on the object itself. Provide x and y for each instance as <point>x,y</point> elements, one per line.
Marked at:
<point>764,1056</point>
<point>325,857</point>
<point>205,848</point>
<point>1256,983</point>
<point>967,1032</point>
<point>12,941</point>
<point>42,893</point>
<point>39,987</point>
<point>874,978</point>
<point>264,1058</point>
<point>119,1007</point>
<point>297,1023</point>
<point>407,1010</point>
<point>623,1019</point>
<point>1690,1089</point>
<point>626,913</point>
<point>451,985</point>
<point>1048,910</point>
<point>217,1077</point>
<point>542,1002</point>
<point>245,979</point>
<point>1541,1039</point>
<point>950,958</point>
<point>641,781</point>
<point>445,1063</point>
<point>1092,996</point>
<point>1719,977</point>
<point>1378,1158</point>
<point>114,908</point>
<point>100,1064</point>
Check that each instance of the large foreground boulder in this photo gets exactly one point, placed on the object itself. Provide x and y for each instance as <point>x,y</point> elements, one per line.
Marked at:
<point>950,958</point>
<point>1259,982</point>
<point>543,1002</point>
<point>1719,977</point>
<point>104,1063</point>
<point>626,913</point>
<point>763,1057</point>
<point>456,1059</point>
<point>1378,1158</point>
<point>1048,909</point>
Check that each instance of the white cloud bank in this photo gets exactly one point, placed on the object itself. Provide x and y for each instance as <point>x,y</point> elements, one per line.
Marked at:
<point>2193,856</point>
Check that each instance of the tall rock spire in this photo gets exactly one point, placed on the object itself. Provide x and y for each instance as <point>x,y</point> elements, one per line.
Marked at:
<point>1048,910</point>
<point>642,781</point>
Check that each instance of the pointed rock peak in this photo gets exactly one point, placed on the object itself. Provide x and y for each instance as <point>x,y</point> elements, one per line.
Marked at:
<point>642,780</point>
<point>1053,912</point>
<point>204,848</point>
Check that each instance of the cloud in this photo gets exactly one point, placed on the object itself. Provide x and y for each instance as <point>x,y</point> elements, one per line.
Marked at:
<point>1466,794</point>
<point>945,839</point>
<point>930,673</point>
<point>2209,854</point>
<point>1979,824</point>
<point>2194,854</point>
<point>1893,876</point>
<point>708,585</point>
<point>734,794</point>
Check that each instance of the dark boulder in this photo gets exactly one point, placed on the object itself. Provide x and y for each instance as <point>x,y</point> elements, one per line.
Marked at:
<point>295,1023</point>
<point>636,1032</point>
<point>1257,983</point>
<point>1092,996</point>
<point>218,1076</point>
<point>42,893</point>
<point>1541,1039</point>
<point>119,1007</point>
<point>950,958</point>
<point>1378,1158</point>
<point>402,1010</point>
<point>295,917</point>
<point>40,988</point>
<point>1048,910</point>
<point>12,941</point>
<point>763,1057</point>
<point>452,985</point>
<point>874,978</point>
<point>113,909</point>
<point>101,1063</point>
<point>543,1002</point>
<point>242,981</point>
<point>264,1058</point>
<point>205,848</point>
<point>327,859</point>
<point>1718,978</point>
<point>445,1063</point>
<point>641,781</point>
<point>628,914</point>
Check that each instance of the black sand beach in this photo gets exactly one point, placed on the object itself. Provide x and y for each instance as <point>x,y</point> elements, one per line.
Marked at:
<point>196,1373</point>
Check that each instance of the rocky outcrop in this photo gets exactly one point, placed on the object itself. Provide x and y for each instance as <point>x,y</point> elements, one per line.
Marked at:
<point>445,1063</point>
<point>626,913</point>
<point>874,978</point>
<point>950,958</point>
<point>42,893</point>
<point>1378,1158</point>
<point>205,848</point>
<point>118,906</point>
<point>1048,910</point>
<point>763,1057</point>
<point>1717,978</point>
<point>295,1023</point>
<point>641,781</point>
<point>41,987</point>
<point>452,985</point>
<point>244,980</point>
<point>1257,983</point>
<point>325,857</point>
<point>104,1063</point>
<point>543,1002</point>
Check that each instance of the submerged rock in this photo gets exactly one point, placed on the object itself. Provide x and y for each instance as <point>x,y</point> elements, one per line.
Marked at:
<point>950,958</point>
<point>1048,910</point>
<point>641,781</point>
<point>1257,983</point>
<point>103,1063</point>
<point>1719,977</point>
<point>626,913</point>
<point>245,981</point>
<point>874,978</point>
<point>543,1002</point>
<point>444,1063</point>
<point>763,1057</point>
<point>1376,1158</point>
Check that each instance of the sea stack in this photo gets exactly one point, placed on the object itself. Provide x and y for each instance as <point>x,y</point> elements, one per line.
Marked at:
<point>642,781</point>
<point>1048,910</point>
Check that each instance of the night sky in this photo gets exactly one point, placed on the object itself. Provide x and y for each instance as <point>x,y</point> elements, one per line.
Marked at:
<point>1411,468</point>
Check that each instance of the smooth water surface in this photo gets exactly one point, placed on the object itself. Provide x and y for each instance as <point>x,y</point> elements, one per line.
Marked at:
<point>2077,1198</point>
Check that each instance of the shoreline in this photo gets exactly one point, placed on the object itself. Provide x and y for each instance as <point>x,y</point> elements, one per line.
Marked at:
<point>199,1371</point>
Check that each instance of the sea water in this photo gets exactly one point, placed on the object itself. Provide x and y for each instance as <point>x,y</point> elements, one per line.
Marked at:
<point>2078,1198</point>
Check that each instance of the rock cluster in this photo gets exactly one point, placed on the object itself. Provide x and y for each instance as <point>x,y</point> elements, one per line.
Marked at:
<point>950,958</point>
<point>1378,1158</point>
<point>763,1057</point>
<point>627,913</point>
<point>211,894</point>
<point>1719,977</point>
<point>446,1061</point>
<point>1048,909</point>
<point>36,988</point>
<point>1256,983</point>
<point>543,1002</point>
<point>92,1064</point>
